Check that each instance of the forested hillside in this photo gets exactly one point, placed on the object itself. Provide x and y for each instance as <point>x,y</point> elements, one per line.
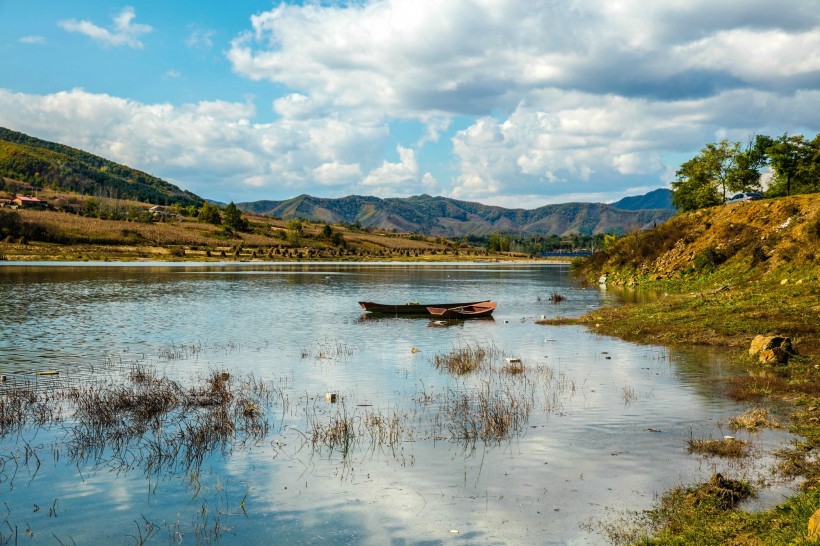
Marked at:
<point>40,163</point>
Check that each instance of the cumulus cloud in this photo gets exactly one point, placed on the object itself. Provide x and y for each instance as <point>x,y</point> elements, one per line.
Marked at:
<point>211,147</point>
<point>124,32</point>
<point>397,176</point>
<point>592,95</point>
<point>517,101</point>
<point>414,57</point>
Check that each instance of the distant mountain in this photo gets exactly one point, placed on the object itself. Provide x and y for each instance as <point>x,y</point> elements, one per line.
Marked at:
<point>42,163</point>
<point>446,217</point>
<point>656,199</point>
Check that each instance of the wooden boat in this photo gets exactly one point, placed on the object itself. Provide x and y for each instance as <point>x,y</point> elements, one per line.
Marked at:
<point>412,308</point>
<point>473,310</point>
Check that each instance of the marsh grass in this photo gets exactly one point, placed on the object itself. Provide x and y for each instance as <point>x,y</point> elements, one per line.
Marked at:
<point>723,447</point>
<point>462,360</point>
<point>753,420</point>
<point>338,434</point>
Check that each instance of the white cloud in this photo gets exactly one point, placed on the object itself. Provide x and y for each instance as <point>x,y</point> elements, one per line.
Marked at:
<point>396,176</point>
<point>211,147</point>
<point>550,98</point>
<point>124,32</point>
<point>200,38</point>
<point>34,40</point>
<point>335,173</point>
<point>173,73</point>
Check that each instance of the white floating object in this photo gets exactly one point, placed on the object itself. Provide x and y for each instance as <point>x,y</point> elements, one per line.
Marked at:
<point>330,397</point>
<point>728,437</point>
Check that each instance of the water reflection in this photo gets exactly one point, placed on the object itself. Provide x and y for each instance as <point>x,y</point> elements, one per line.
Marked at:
<point>590,421</point>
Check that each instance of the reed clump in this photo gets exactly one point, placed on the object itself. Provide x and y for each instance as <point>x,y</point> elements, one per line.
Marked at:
<point>338,434</point>
<point>752,420</point>
<point>493,414</point>
<point>723,447</point>
<point>465,359</point>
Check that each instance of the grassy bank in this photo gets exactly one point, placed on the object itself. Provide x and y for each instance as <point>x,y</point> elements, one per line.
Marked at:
<point>723,276</point>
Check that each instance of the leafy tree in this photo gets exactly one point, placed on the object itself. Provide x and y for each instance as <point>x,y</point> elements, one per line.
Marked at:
<point>498,243</point>
<point>233,218</point>
<point>210,214</point>
<point>10,223</point>
<point>295,230</point>
<point>745,175</point>
<point>810,170</point>
<point>788,155</point>
<point>704,180</point>
<point>694,188</point>
<point>327,232</point>
<point>91,208</point>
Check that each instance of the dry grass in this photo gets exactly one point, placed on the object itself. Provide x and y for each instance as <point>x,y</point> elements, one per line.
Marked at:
<point>725,447</point>
<point>464,359</point>
<point>752,420</point>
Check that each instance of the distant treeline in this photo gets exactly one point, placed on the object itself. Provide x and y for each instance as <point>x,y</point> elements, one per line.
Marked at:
<point>541,244</point>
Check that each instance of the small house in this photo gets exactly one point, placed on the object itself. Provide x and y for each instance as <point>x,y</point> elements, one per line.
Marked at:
<point>24,202</point>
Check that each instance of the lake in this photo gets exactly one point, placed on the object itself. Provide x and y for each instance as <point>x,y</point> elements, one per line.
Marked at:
<point>348,428</point>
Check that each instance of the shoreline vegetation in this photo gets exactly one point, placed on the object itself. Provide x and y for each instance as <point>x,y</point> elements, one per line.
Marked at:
<point>722,276</point>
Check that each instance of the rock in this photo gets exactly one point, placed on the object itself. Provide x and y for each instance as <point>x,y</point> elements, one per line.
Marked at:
<point>772,349</point>
<point>814,525</point>
<point>775,355</point>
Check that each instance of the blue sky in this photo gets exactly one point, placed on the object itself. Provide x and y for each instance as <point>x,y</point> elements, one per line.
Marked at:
<point>505,102</point>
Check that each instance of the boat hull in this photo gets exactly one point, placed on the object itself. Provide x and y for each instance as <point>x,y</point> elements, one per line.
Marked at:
<point>409,308</point>
<point>475,310</point>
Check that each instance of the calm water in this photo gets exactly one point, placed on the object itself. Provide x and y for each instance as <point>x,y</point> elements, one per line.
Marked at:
<point>606,428</point>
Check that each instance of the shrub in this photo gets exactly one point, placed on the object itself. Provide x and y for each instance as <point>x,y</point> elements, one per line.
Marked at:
<point>709,259</point>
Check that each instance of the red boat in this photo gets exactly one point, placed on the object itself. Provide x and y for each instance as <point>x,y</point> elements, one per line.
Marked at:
<point>483,309</point>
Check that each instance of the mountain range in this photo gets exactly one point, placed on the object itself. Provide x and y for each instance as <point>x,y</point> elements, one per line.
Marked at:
<point>447,217</point>
<point>41,163</point>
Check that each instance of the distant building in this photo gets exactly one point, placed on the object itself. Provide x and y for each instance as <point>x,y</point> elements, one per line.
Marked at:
<point>24,202</point>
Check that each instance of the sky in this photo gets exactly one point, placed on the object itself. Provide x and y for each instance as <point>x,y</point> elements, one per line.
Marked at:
<point>517,103</point>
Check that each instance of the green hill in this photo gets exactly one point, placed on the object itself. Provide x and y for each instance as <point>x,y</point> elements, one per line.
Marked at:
<point>47,164</point>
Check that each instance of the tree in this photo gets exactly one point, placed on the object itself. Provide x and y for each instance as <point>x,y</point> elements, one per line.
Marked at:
<point>210,214</point>
<point>694,189</point>
<point>327,232</point>
<point>295,230</point>
<point>810,171</point>
<point>787,155</point>
<point>498,243</point>
<point>745,176</point>
<point>10,223</point>
<point>233,218</point>
<point>704,180</point>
